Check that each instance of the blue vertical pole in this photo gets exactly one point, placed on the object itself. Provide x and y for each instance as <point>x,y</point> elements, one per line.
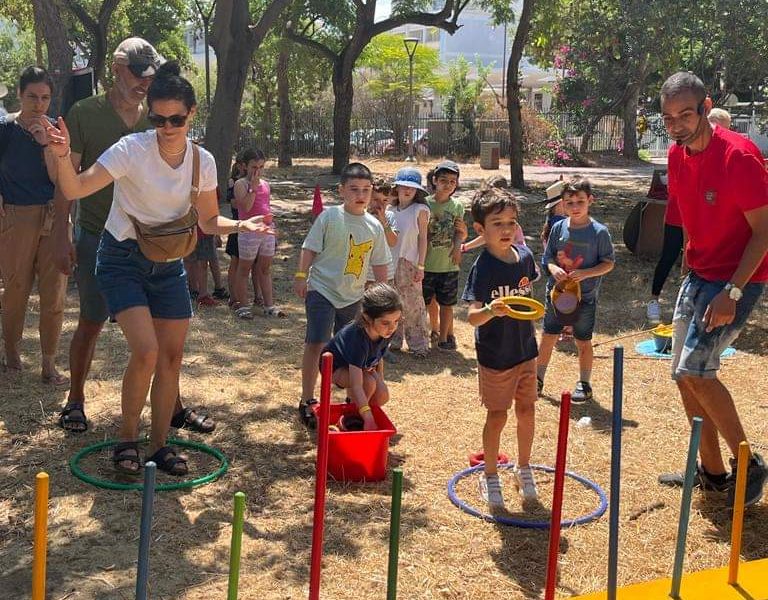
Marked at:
<point>145,531</point>
<point>613,523</point>
<point>685,507</point>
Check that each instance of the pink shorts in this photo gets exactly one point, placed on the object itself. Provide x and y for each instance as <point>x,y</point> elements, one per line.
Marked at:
<point>500,389</point>
<point>251,244</point>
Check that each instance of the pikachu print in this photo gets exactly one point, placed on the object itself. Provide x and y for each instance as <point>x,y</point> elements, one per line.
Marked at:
<point>356,257</point>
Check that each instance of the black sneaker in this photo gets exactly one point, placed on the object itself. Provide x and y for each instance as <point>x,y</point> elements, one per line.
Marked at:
<point>701,480</point>
<point>306,414</point>
<point>448,344</point>
<point>757,473</point>
<point>220,294</point>
<point>582,393</point>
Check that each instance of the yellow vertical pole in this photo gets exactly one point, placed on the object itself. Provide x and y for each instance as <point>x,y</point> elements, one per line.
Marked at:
<point>40,537</point>
<point>738,512</point>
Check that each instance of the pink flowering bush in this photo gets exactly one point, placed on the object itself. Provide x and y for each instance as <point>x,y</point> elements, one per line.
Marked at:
<point>543,142</point>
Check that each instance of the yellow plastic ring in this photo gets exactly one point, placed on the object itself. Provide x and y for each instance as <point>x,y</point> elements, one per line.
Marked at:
<point>536,312</point>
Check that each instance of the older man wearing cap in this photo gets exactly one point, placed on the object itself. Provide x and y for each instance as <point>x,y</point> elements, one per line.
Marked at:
<point>95,124</point>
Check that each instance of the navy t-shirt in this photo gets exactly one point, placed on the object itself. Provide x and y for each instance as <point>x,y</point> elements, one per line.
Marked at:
<point>23,176</point>
<point>502,342</point>
<point>352,346</point>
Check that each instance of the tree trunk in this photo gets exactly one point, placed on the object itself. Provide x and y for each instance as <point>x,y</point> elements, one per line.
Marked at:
<point>342,115</point>
<point>97,28</point>
<point>284,158</point>
<point>234,40</point>
<point>514,111</point>
<point>629,111</point>
<point>365,29</point>
<point>629,115</point>
<point>223,120</point>
<point>48,20</point>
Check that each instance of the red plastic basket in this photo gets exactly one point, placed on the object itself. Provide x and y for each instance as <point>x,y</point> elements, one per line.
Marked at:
<point>358,455</point>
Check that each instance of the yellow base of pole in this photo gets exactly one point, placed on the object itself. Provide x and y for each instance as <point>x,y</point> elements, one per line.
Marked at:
<point>704,585</point>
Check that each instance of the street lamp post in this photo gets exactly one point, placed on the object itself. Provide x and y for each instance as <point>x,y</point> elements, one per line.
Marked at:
<point>410,48</point>
<point>205,17</point>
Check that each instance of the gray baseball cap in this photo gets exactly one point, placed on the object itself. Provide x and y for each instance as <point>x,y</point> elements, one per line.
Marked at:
<point>139,56</point>
<point>447,165</point>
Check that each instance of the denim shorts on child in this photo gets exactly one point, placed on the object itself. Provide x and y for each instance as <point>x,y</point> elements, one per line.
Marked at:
<point>127,278</point>
<point>582,329</point>
<point>251,244</point>
<point>695,352</point>
<point>324,319</point>
<point>205,248</point>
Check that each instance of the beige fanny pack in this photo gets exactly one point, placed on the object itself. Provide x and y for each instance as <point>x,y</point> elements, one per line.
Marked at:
<point>176,239</point>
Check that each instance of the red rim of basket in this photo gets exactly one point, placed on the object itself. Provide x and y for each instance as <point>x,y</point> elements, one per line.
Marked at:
<point>477,458</point>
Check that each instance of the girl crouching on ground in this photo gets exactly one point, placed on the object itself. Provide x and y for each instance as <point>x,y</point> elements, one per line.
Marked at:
<point>359,347</point>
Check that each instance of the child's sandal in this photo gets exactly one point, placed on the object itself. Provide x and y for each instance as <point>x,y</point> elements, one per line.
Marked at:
<point>243,312</point>
<point>273,311</point>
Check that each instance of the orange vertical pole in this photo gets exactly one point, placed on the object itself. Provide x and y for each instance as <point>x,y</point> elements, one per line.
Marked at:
<point>738,512</point>
<point>40,536</point>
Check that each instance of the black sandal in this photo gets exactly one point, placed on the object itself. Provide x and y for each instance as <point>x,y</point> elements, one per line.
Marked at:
<point>126,452</point>
<point>182,420</point>
<point>167,461</point>
<point>306,414</point>
<point>67,419</point>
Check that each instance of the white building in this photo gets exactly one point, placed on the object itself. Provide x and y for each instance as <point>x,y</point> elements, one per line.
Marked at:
<point>479,39</point>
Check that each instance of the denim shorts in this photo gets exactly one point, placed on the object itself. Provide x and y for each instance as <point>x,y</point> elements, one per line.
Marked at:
<point>92,305</point>
<point>582,329</point>
<point>323,318</point>
<point>695,352</point>
<point>127,279</point>
<point>205,249</point>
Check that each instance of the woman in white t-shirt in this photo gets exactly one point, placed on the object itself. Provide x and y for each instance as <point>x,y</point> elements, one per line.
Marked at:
<point>152,173</point>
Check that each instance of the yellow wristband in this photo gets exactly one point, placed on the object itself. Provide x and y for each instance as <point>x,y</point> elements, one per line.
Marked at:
<point>420,267</point>
<point>300,274</point>
<point>364,409</point>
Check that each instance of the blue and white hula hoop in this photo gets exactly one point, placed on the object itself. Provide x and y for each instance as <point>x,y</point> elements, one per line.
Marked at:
<point>502,520</point>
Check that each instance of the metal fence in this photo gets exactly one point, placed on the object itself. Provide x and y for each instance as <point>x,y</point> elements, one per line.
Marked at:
<point>373,135</point>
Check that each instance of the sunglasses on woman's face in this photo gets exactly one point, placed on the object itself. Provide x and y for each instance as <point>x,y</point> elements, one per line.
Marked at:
<point>159,120</point>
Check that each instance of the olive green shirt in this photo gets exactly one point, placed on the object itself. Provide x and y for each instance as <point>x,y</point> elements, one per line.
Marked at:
<point>93,127</point>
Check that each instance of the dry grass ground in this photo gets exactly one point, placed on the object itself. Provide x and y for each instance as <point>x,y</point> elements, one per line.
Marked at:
<point>247,375</point>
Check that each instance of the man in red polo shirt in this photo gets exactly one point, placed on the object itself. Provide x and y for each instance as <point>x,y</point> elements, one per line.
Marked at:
<point>719,184</point>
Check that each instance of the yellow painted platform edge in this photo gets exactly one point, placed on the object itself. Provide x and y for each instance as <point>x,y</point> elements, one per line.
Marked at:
<point>702,585</point>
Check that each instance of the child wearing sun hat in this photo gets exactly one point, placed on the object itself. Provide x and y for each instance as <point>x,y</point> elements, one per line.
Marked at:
<point>411,219</point>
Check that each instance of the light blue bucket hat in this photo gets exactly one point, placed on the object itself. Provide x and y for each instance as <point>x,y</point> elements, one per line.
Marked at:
<point>409,177</point>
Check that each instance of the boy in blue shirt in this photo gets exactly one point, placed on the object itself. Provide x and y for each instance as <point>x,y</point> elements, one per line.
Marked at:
<point>342,243</point>
<point>579,250</point>
<point>506,347</point>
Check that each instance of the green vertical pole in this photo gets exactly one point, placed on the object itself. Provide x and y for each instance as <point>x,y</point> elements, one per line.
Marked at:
<point>234,550</point>
<point>394,532</point>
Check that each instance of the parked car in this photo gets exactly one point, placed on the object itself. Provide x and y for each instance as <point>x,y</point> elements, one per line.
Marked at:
<point>420,143</point>
<point>369,141</point>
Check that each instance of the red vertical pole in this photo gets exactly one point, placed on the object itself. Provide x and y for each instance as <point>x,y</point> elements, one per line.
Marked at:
<point>321,475</point>
<point>557,496</point>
